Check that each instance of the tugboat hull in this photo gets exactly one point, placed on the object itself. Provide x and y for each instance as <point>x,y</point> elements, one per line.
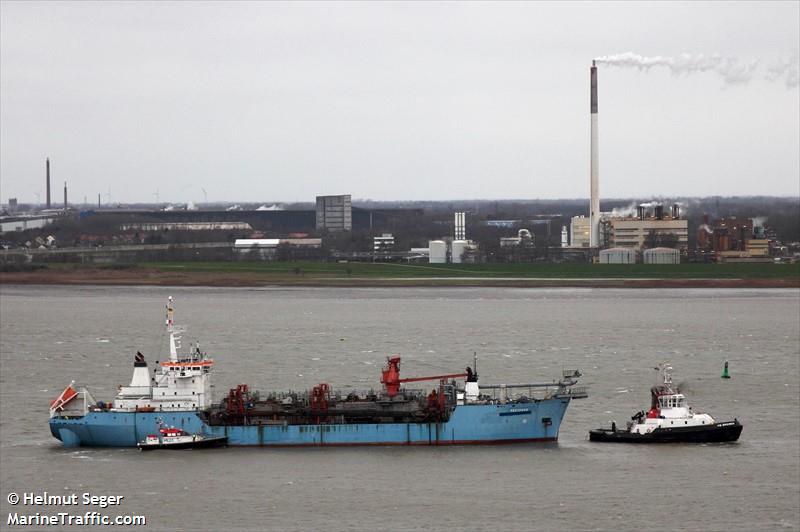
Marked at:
<point>718,432</point>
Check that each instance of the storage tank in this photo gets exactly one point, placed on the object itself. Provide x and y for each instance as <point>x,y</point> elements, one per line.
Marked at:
<point>662,256</point>
<point>617,256</point>
<point>459,246</point>
<point>437,252</point>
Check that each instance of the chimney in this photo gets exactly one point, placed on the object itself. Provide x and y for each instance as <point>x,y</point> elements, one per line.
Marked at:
<point>98,201</point>
<point>48,182</point>
<point>460,226</point>
<point>594,199</point>
<point>676,211</point>
<point>65,195</point>
<point>659,212</point>
<point>640,212</point>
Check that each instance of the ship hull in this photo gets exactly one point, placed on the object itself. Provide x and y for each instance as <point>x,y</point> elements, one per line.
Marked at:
<point>205,443</point>
<point>719,432</point>
<point>468,425</point>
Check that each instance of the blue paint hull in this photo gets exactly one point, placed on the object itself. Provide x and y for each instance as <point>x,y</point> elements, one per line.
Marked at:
<point>468,424</point>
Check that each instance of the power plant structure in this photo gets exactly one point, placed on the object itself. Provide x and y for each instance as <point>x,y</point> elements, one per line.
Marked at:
<point>603,230</point>
<point>594,171</point>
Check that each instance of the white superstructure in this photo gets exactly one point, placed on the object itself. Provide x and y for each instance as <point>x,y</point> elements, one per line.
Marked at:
<point>183,382</point>
<point>668,409</point>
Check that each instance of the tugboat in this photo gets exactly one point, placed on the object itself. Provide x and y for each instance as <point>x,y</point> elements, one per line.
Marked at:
<point>174,438</point>
<point>669,420</point>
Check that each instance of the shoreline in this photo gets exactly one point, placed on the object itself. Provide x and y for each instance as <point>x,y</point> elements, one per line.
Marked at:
<point>153,277</point>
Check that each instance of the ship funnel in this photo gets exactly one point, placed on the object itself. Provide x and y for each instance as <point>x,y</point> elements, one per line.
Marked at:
<point>140,375</point>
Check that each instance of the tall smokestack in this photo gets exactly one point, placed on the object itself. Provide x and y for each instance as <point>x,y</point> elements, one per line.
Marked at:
<point>594,199</point>
<point>48,182</point>
<point>65,195</point>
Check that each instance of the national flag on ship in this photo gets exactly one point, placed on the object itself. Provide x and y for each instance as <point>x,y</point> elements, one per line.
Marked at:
<point>66,396</point>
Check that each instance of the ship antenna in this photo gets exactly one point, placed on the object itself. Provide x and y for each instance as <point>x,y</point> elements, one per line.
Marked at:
<point>475,363</point>
<point>170,313</point>
<point>667,369</point>
<point>174,339</point>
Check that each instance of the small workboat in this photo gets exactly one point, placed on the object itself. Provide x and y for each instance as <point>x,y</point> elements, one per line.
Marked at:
<point>669,420</point>
<point>174,438</point>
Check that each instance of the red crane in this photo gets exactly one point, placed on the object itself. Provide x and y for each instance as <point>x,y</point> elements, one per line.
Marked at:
<point>390,377</point>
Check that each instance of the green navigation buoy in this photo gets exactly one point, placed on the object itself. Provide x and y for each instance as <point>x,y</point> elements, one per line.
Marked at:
<point>725,371</point>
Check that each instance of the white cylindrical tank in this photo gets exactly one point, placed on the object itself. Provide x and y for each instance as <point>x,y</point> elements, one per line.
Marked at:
<point>617,256</point>
<point>458,249</point>
<point>662,256</point>
<point>437,251</point>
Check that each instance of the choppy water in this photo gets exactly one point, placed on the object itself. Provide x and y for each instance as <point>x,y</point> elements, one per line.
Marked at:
<point>294,338</point>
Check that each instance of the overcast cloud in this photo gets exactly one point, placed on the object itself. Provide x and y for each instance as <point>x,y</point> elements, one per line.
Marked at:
<point>280,102</point>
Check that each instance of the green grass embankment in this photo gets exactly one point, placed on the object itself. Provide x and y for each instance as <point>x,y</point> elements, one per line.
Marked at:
<point>489,271</point>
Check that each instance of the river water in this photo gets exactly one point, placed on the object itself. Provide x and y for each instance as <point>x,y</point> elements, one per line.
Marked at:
<point>278,338</point>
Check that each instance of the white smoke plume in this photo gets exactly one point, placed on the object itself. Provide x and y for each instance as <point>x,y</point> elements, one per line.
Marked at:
<point>630,211</point>
<point>786,69</point>
<point>624,212</point>
<point>732,70</point>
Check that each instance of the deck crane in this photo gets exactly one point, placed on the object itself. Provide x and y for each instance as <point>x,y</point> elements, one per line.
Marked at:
<point>390,377</point>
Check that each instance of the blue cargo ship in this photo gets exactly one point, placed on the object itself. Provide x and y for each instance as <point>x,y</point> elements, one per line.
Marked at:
<point>458,410</point>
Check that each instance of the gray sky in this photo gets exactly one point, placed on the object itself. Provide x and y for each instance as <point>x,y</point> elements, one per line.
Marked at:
<point>280,102</point>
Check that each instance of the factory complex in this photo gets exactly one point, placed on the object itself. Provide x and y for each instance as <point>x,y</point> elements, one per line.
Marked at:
<point>334,227</point>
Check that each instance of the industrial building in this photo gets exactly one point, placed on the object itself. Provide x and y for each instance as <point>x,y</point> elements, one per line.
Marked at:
<point>579,232</point>
<point>275,221</point>
<point>187,226</point>
<point>382,243</point>
<point>265,243</point>
<point>733,239</point>
<point>523,238</point>
<point>649,232</point>
<point>334,213</point>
